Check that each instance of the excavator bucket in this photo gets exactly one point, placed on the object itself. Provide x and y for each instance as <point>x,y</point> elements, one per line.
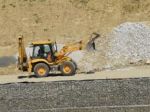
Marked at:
<point>90,46</point>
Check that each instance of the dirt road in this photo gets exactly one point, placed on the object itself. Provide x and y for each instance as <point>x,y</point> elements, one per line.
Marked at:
<point>129,72</point>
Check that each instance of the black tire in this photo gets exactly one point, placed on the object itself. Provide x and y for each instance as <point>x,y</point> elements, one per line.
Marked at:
<point>70,65</point>
<point>39,66</point>
<point>75,64</point>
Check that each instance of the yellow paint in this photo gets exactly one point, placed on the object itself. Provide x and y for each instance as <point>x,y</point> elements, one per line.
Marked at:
<point>41,71</point>
<point>42,42</point>
<point>67,69</point>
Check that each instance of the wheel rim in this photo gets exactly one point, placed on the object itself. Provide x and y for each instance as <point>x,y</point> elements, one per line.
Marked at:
<point>41,71</point>
<point>67,69</point>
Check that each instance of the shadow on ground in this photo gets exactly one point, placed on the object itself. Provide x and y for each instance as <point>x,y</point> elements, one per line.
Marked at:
<point>34,76</point>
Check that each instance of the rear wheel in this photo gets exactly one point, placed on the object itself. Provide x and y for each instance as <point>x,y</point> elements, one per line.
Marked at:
<point>68,68</point>
<point>41,70</point>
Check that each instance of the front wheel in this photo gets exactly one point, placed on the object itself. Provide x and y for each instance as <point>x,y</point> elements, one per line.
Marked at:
<point>41,70</point>
<point>68,68</point>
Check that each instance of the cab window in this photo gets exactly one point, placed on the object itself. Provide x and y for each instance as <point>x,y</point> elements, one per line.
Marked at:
<point>46,48</point>
<point>36,51</point>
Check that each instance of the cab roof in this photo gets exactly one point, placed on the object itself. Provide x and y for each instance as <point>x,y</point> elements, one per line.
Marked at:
<point>42,42</point>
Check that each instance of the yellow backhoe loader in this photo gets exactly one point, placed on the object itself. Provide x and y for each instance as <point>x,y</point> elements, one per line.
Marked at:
<point>46,58</point>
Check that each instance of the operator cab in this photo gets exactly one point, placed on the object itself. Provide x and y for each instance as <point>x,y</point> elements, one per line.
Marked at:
<point>44,50</point>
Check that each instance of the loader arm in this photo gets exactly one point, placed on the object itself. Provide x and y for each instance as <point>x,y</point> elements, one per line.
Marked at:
<point>66,50</point>
<point>87,44</point>
<point>22,57</point>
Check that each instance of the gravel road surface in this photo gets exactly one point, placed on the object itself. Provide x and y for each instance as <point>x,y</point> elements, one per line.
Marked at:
<point>121,95</point>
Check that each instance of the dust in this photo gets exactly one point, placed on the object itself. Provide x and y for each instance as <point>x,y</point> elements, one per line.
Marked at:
<point>7,61</point>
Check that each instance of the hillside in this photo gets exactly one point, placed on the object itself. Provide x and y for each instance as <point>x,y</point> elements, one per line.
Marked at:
<point>64,19</point>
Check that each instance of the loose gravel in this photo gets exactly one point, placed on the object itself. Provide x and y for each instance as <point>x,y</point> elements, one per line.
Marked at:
<point>128,95</point>
<point>130,44</point>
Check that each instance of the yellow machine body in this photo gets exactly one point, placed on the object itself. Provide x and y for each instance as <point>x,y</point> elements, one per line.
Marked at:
<point>56,58</point>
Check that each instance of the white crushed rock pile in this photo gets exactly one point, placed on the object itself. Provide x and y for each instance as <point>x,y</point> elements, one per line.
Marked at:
<point>94,60</point>
<point>90,62</point>
<point>130,43</point>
